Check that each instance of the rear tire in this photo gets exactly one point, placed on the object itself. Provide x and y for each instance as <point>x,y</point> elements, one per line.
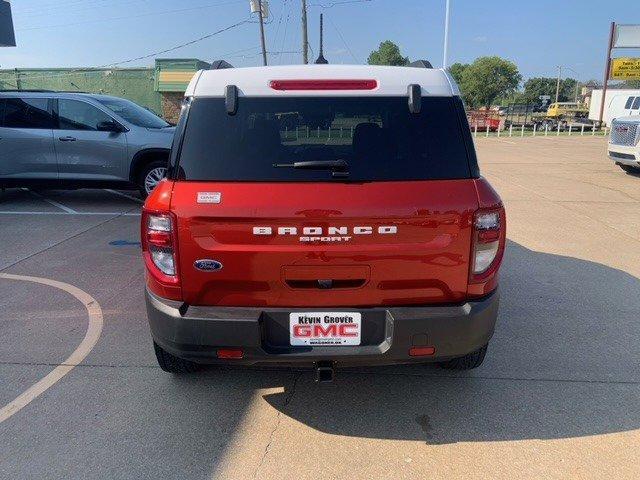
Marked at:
<point>148,173</point>
<point>172,364</point>
<point>466,362</point>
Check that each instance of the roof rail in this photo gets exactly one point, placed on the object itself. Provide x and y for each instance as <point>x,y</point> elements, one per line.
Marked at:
<point>219,64</point>
<point>27,90</point>
<point>421,64</point>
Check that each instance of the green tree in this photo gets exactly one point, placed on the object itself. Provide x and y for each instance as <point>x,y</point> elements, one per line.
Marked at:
<point>388,53</point>
<point>631,84</point>
<point>456,70</point>
<point>537,86</point>
<point>488,78</point>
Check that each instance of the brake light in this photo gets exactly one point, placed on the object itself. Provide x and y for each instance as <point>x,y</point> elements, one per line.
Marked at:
<point>488,243</point>
<point>159,246</point>
<point>323,84</point>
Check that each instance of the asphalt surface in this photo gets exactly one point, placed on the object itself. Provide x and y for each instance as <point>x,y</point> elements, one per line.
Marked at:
<point>557,397</point>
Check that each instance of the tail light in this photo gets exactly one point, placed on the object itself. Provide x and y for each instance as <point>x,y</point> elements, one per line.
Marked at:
<point>488,243</point>
<point>159,248</point>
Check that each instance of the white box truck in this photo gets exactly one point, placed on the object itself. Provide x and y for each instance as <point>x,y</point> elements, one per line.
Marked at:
<point>618,103</point>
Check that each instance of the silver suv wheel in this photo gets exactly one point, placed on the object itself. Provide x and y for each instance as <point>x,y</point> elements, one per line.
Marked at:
<point>153,177</point>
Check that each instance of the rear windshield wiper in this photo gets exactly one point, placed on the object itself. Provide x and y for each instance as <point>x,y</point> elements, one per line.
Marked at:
<point>339,168</point>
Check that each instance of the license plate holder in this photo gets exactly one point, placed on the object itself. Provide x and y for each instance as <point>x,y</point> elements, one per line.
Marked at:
<point>328,329</point>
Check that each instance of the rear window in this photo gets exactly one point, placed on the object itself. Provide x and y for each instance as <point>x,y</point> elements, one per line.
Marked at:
<point>377,137</point>
<point>25,113</point>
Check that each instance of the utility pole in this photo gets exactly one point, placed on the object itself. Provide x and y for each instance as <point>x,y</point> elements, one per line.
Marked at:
<point>446,36</point>
<point>558,83</point>
<point>262,42</point>
<point>305,38</point>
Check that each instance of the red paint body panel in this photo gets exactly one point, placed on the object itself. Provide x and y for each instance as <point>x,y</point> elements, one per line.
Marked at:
<point>426,261</point>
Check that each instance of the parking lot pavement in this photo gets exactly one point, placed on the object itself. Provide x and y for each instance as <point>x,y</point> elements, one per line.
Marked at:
<point>557,397</point>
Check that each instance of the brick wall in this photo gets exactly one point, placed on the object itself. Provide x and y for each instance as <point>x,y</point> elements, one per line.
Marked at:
<point>171,103</point>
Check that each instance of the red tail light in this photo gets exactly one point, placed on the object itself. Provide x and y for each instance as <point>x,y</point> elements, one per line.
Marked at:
<point>488,244</point>
<point>230,353</point>
<point>159,249</point>
<point>323,84</point>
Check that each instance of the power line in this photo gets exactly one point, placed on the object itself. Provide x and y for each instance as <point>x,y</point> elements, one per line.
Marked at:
<point>284,35</point>
<point>335,4</point>
<point>343,40</point>
<point>84,71</point>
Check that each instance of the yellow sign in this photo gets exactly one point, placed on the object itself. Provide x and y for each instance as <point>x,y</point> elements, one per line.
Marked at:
<point>625,68</point>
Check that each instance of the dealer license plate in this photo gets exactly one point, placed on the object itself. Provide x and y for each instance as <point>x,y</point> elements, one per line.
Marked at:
<point>325,328</point>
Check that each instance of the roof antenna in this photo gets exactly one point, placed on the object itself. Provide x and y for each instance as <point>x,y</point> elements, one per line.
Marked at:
<point>321,59</point>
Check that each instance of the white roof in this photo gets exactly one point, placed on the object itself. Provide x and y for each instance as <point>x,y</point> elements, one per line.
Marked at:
<point>255,81</point>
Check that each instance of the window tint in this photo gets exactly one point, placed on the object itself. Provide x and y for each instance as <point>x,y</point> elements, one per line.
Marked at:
<point>636,104</point>
<point>133,113</point>
<point>78,115</point>
<point>25,113</point>
<point>629,103</point>
<point>377,137</point>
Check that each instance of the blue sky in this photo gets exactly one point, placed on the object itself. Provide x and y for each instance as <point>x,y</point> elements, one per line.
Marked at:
<point>537,35</point>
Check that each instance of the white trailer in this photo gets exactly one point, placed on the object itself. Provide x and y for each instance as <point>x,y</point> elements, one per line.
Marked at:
<point>617,103</point>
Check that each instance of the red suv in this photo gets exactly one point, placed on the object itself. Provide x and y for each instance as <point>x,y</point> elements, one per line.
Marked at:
<point>322,215</point>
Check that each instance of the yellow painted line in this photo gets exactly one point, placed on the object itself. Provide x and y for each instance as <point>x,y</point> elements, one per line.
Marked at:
<point>94,329</point>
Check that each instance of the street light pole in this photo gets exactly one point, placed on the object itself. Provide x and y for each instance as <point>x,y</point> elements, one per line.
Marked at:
<point>446,36</point>
<point>558,83</point>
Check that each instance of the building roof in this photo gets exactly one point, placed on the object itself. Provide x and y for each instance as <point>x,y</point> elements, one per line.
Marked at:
<point>255,81</point>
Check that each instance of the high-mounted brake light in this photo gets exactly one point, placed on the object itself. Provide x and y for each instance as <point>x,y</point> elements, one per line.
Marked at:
<point>323,84</point>
<point>488,243</point>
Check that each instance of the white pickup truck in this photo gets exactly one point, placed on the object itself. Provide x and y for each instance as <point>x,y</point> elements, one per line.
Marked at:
<point>624,143</point>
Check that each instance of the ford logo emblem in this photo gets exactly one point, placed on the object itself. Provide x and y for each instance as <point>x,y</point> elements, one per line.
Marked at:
<point>207,265</point>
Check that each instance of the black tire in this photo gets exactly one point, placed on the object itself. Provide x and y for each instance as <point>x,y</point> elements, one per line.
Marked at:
<point>172,364</point>
<point>144,171</point>
<point>466,362</point>
<point>628,168</point>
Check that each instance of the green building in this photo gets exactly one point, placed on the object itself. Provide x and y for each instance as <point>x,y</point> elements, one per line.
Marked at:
<point>159,88</point>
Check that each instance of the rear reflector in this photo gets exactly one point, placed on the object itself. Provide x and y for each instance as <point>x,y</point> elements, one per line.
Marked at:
<point>230,353</point>
<point>323,84</point>
<point>421,351</point>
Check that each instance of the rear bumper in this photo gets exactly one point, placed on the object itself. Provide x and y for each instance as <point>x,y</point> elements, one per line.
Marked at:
<point>195,333</point>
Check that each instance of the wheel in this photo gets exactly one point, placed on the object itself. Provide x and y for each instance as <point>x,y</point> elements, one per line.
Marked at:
<point>150,175</point>
<point>628,168</point>
<point>466,362</point>
<point>172,364</point>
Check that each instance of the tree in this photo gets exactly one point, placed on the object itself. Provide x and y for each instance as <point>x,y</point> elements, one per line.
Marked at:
<point>456,70</point>
<point>537,86</point>
<point>488,78</point>
<point>388,53</point>
<point>631,84</point>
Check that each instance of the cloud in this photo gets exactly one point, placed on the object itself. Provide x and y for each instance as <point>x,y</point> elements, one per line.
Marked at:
<point>338,51</point>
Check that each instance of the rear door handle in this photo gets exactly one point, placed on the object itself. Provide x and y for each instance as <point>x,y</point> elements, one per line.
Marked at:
<point>67,139</point>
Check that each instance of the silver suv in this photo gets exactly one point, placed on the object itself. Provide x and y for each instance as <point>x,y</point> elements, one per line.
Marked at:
<point>79,139</point>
